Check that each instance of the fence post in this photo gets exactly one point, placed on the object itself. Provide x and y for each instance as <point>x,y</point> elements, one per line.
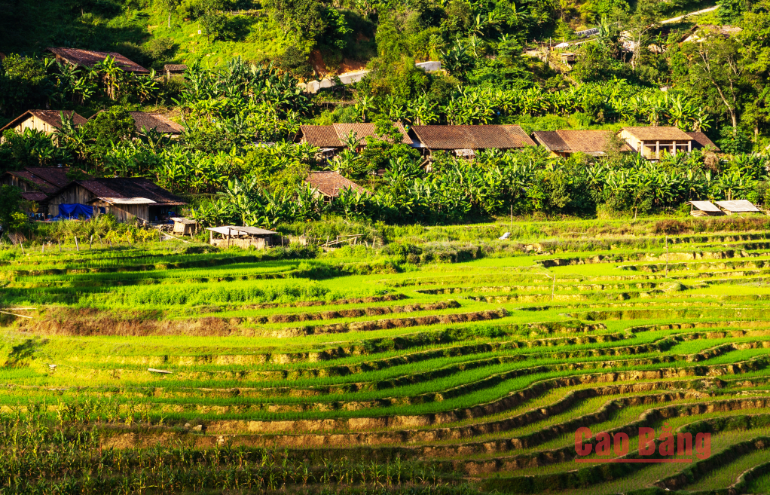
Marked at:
<point>77,246</point>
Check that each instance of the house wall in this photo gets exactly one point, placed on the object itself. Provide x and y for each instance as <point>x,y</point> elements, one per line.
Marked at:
<point>36,124</point>
<point>10,180</point>
<point>653,150</point>
<point>122,213</point>
<point>257,243</point>
<point>71,195</point>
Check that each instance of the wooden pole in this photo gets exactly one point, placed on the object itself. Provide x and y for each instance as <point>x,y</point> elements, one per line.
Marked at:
<point>76,244</point>
<point>511,219</point>
<point>666,256</point>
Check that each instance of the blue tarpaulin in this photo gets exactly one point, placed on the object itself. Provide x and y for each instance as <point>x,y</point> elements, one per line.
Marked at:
<point>75,210</point>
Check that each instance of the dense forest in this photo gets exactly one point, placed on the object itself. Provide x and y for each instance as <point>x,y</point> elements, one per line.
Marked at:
<point>705,72</point>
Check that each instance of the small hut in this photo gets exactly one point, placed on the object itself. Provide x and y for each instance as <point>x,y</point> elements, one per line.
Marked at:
<point>174,70</point>
<point>737,207</point>
<point>242,237</point>
<point>704,209</point>
<point>184,226</point>
<point>568,58</point>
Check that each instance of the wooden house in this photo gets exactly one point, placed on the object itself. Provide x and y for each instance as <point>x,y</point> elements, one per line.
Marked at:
<point>334,138</point>
<point>466,140</point>
<point>653,142</point>
<point>37,183</point>
<point>125,198</point>
<point>88,58</point>
<point>331,184</point>
<point>47,121</point>
<point>566,142</point>
<point>568,58</point>
<point>242,237</point>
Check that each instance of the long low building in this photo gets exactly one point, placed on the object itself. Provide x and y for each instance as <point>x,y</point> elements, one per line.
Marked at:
<point>125,198</point>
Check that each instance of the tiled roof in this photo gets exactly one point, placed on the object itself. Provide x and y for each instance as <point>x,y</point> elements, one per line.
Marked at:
<point>551,140</point>
<point>34,196</point>
<point>593,142</point>
<point>155,121</point>
<point>658,133</point>
<point>322,136</point>
<point>50,117</point>
<point>702,141</point>
<point>47,179</point>
<point>366,130</point>
<point>331,183</point>
<point>89,58</point>
<point>175,67</point>
<point>56,176</point>
<point>129,188</point>
<point>474,137</point>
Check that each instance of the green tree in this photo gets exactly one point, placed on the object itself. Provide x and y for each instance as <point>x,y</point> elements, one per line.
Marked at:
<point>107,129</point>
<point>11,216</point>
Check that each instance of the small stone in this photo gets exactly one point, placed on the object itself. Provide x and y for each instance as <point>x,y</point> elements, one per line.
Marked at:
<point>198,428</point>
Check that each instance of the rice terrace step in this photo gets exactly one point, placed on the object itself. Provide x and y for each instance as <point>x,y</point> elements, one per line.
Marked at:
<point>480,376</point>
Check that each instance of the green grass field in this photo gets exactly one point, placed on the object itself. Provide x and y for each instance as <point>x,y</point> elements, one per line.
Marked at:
<point>166,367</point>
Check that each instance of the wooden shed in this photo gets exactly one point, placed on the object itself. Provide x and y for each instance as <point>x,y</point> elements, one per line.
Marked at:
<point>184,226</point>
<point>172,70</point>
<point>704,209</point>
<point>737,207</point>
<point>458,139</point>
<point>568,58</point>
<point>242,237</point>
<point>125,198</point>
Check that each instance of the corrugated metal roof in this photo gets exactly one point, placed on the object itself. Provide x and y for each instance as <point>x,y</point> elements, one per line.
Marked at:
<point>738,206</point>
<point>89,58</point>
<point>705,206</point>
<point>331,184</point>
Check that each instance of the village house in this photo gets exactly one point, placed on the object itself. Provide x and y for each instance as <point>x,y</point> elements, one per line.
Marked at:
<point>653,142</point>
<point>37,184</point>
<point>47,121</point>
<point>334,138</point>
<point>465,140</point>
<point>88,58</point>
<point>566,142</point>
<point>125,198</point>
<point>331,184</point>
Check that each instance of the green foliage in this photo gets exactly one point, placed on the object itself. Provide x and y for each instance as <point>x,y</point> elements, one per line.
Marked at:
<point>24,84</point>
<point>106,129</point>
<point>11,216</point>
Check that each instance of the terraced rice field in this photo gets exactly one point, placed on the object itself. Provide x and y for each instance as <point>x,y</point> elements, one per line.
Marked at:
<point>148,369</point>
